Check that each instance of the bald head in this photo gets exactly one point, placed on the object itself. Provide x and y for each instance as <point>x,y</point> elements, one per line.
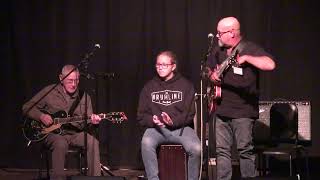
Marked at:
<point>228,32</point>
<point>229,23</point>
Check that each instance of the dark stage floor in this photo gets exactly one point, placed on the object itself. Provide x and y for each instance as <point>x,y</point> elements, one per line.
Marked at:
<point>129,174</point>
<point>32,174</point>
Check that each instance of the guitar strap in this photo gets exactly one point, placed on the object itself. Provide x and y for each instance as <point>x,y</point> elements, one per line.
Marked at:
<point>68,127</point>
<point>75,103</point>
<point>238,48</point>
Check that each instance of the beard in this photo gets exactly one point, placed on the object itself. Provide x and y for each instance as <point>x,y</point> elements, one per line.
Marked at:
<point>221,44</point>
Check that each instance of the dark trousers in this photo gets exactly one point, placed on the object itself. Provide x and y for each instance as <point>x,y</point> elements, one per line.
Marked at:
<point>59,145</point>
<point>226,130</point>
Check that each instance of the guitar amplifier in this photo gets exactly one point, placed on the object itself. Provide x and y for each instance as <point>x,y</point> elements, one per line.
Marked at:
<point>261,130</point>
<point>173,163</point>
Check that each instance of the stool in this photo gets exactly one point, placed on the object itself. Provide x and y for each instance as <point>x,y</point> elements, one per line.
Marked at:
<point>173,162</point>
<point>44,157</point>
<point>296,154</point>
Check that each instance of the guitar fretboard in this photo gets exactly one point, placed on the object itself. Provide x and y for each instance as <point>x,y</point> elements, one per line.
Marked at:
<point>68,120</point>
<point>116,116</point>
<point>225,64</point>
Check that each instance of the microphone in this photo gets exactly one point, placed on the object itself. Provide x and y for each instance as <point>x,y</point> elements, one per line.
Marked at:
<point>88,55</point>
<point>210,43</point>
<point>85,61</point>
<point>210,39</point>
<point>97,46</point>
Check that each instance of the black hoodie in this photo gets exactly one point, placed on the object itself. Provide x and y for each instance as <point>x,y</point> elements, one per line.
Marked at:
<point>175,97</point>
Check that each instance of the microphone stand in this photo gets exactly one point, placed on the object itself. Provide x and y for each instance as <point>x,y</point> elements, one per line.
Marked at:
<point>204,80</point>
<point>96,77</point>
<point>212,158</point>
<point>83,65</point>
<point>105,76</point>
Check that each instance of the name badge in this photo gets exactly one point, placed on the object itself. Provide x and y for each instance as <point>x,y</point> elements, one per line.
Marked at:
<point>237,70</point>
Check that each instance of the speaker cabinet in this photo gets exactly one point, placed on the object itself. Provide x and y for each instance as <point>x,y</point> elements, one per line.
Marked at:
<point>96,178</point>
<point>261,129</point>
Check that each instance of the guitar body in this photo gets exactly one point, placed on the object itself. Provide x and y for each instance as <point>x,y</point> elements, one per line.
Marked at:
<point>214,94</point>
<point>35,131</point>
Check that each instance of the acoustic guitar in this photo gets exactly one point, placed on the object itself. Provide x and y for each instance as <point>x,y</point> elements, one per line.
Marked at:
<point>213,89</point>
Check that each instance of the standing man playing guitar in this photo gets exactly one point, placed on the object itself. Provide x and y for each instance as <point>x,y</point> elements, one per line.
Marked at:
<point>65,97</point>
<point>237,109</point>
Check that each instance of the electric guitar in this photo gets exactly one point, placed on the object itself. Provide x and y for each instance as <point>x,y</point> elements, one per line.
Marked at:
<point>35,131</point>
<point>214,90</point>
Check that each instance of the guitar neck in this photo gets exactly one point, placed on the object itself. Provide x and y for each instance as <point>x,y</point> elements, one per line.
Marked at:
<point>118,116</point>
<point>222,68</point>
<point>69,120</point>
<point>225,64</point>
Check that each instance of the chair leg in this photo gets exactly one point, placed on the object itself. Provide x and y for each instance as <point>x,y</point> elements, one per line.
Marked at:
<point>80,163</point>
<point>260,164</point>
<point>47,164</point>
<point>266,168</point>
<point>44,157</point>
<point>307,165</point>
<point>263,167</point>
<point>41,165</point>
<point>303,152</point>
<point>290,164</point>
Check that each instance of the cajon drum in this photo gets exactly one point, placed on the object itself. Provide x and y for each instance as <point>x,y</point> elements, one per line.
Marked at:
<point>173,162</point>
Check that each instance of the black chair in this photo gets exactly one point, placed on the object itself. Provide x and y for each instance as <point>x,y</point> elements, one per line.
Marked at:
<point>284,138</point>
<point>45,154</point>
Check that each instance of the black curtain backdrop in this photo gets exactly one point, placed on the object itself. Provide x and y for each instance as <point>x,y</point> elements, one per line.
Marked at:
<point>38,37</point>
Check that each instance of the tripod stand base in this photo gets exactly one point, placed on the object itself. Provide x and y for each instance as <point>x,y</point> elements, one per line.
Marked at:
<point>105,169</point>
<point>212,169</point>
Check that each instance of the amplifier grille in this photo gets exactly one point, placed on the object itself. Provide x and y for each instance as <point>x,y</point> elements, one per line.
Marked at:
<point>261,129</point>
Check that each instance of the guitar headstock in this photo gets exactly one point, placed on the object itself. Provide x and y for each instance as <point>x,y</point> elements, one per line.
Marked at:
<point>114,117</point>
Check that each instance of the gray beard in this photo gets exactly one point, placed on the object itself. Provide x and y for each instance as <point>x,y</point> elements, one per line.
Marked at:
<point>222,45</point>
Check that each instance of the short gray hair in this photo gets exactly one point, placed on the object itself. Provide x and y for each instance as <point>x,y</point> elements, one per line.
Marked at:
<point>67,68</point>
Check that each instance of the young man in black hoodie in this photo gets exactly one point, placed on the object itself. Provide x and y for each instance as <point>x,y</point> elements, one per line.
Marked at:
<point>166,109</point>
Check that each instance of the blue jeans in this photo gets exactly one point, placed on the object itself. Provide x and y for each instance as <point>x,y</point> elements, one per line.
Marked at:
<point>241,130</point>
<point>153,137</point>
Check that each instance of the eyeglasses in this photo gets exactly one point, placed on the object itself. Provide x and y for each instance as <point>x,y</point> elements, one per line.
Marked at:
<point>164,66</point>
<point>219,33</point>
<point>71,81</point>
